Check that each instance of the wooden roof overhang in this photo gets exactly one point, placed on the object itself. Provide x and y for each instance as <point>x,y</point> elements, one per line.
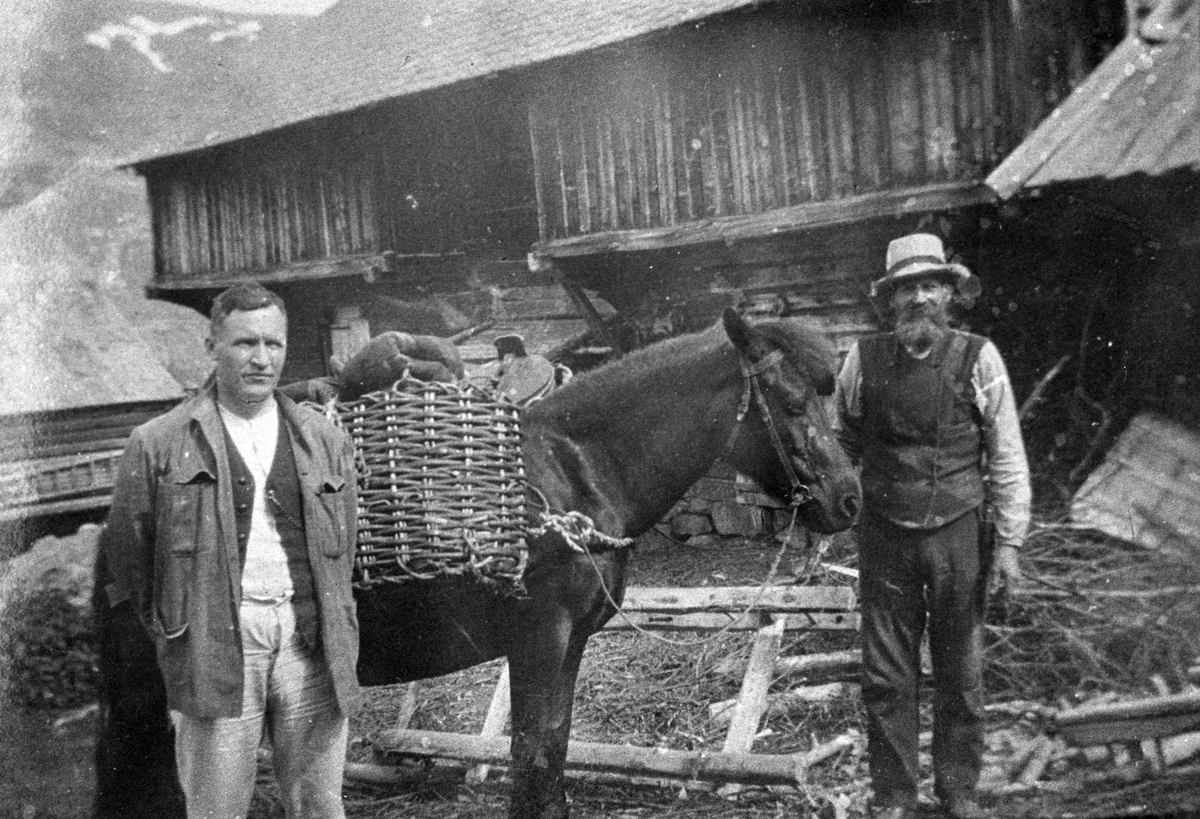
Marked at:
<point>370,267</point>
<point>796,218</point>
<point>1137,113</point>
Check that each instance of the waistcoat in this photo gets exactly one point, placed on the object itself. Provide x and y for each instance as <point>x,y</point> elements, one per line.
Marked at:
<point>923,443</point>
<point>283,494</point>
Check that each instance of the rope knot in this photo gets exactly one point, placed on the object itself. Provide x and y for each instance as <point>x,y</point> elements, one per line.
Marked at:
<point>578,531</point>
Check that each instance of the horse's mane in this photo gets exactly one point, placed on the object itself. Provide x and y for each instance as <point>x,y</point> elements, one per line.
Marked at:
<point>806,347</point>
<point>640,372</point>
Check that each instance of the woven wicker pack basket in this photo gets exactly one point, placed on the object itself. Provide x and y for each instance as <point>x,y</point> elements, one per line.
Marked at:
<point>441,489</point>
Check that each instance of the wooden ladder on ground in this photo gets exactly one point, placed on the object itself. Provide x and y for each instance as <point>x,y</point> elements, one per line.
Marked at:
<point>768,613</point>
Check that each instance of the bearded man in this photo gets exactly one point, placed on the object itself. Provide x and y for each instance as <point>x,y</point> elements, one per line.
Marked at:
<point>929,412</point>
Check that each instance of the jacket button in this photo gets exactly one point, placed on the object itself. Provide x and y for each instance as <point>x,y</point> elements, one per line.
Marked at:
<point>243,535</point>
<point>242,481</point>
<point>242,507</point>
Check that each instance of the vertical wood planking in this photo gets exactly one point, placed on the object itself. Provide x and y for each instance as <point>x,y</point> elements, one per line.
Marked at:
<point>741,168</point>
<point>643,155</point>
<point>539,174</point>
<point>787,164</point>
<point>947,120</point>
<point>626,174</point>
<point>613,197</point>
<point>665,156</point>
<point>808,149</point>
<point>713,189</point>
<point>870,123</point>
<point>839,118</point>
<point>584,184</point>
<point>564,213</point>
<point>987,81</point>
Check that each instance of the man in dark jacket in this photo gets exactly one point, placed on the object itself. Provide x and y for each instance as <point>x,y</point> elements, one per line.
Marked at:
<point>232,530</point>
<point>930,413</point>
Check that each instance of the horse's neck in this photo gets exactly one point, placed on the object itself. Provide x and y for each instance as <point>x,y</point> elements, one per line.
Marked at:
<point>625,462</point>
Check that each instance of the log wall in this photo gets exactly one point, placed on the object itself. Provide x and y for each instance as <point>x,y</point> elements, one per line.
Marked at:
<point>783,106</point>
<point>419,176</point>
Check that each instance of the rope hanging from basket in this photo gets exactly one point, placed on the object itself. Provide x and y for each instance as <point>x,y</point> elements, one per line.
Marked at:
<point>578,531</point>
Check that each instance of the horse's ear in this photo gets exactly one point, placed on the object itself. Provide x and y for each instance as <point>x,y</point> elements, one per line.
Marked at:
<point>741,333</point>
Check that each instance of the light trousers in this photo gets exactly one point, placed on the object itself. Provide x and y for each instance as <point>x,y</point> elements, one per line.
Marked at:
<point>289,696</point>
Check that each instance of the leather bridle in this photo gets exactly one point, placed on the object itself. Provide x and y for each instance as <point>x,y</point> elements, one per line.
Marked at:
<point>801,493</point>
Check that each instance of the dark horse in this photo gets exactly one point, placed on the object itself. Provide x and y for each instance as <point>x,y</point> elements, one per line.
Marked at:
<point>621,445</point>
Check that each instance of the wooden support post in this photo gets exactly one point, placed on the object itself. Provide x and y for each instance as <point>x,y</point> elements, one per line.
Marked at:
<point>348,333</point>
<point>408,704</point>
<point>752,701</point>
<point>495,722</point>
<point>539,263</point>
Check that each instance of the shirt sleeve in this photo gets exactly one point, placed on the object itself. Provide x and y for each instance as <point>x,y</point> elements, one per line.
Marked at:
<point>848,409</point>
<point>1007,468</point>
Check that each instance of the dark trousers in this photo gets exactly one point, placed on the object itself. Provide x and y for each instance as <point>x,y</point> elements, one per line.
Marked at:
<point>911,577</point>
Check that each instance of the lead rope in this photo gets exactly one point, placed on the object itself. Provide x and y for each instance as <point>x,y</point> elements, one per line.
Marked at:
<point>721,632</point>
<point>579,531</point>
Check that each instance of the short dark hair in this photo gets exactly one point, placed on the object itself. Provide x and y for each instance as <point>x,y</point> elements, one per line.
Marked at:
<point>244,296</point>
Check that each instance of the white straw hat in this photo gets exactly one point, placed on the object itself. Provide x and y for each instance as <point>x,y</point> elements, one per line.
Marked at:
<point>920,254</point>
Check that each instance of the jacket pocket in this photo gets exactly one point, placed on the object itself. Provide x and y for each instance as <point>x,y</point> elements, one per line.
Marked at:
<point>176,576</point>
<point>183,499</point>
<point>332,498</point>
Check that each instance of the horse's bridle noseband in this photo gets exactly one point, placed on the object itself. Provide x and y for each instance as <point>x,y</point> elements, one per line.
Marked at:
<point>801,492</point>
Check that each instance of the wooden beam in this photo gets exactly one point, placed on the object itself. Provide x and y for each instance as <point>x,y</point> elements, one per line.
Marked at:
<point>764,769</point>
<point>654,621</point>
<point>736,608</point>
<point>495,722</point>
<point>735,599</point>
<point>751,703</point>
<point>943,196</point>
<point>369,266</point>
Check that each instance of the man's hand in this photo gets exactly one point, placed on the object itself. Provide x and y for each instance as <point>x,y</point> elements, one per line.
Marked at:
<point>1006,568</point>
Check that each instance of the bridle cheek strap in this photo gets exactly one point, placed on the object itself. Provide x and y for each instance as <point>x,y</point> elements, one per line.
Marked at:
<point>753,392</point>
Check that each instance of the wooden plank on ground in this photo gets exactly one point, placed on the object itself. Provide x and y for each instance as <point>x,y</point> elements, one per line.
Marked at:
<point>773,599</point>
<point>763,769</point>
<point>496,721</point>
<point>752,621</point>
<point>1103,732</point>
<point>752,699</point>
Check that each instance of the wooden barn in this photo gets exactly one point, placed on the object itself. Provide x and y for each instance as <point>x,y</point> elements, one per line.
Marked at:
<point>597,175</point>
<point>70,394</point>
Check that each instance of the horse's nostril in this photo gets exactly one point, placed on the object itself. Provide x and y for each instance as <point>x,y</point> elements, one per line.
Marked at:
<point>850,506</point>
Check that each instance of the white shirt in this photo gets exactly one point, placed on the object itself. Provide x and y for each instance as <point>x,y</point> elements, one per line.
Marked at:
<point>265,575</point>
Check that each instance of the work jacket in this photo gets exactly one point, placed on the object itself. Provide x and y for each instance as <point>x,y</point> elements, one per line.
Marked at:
<point>172,548</point>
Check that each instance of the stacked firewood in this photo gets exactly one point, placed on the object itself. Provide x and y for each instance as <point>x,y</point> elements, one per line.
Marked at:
<point>1106,738</point>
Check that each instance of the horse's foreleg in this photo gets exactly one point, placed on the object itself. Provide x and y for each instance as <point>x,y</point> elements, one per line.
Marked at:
<point>543,691</point>
<point>135,751</point>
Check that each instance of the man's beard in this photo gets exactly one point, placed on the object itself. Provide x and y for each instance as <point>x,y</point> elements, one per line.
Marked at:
<point>920,326</point>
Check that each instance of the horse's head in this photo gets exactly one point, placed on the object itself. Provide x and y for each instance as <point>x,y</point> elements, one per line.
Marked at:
<point>784,440</point>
